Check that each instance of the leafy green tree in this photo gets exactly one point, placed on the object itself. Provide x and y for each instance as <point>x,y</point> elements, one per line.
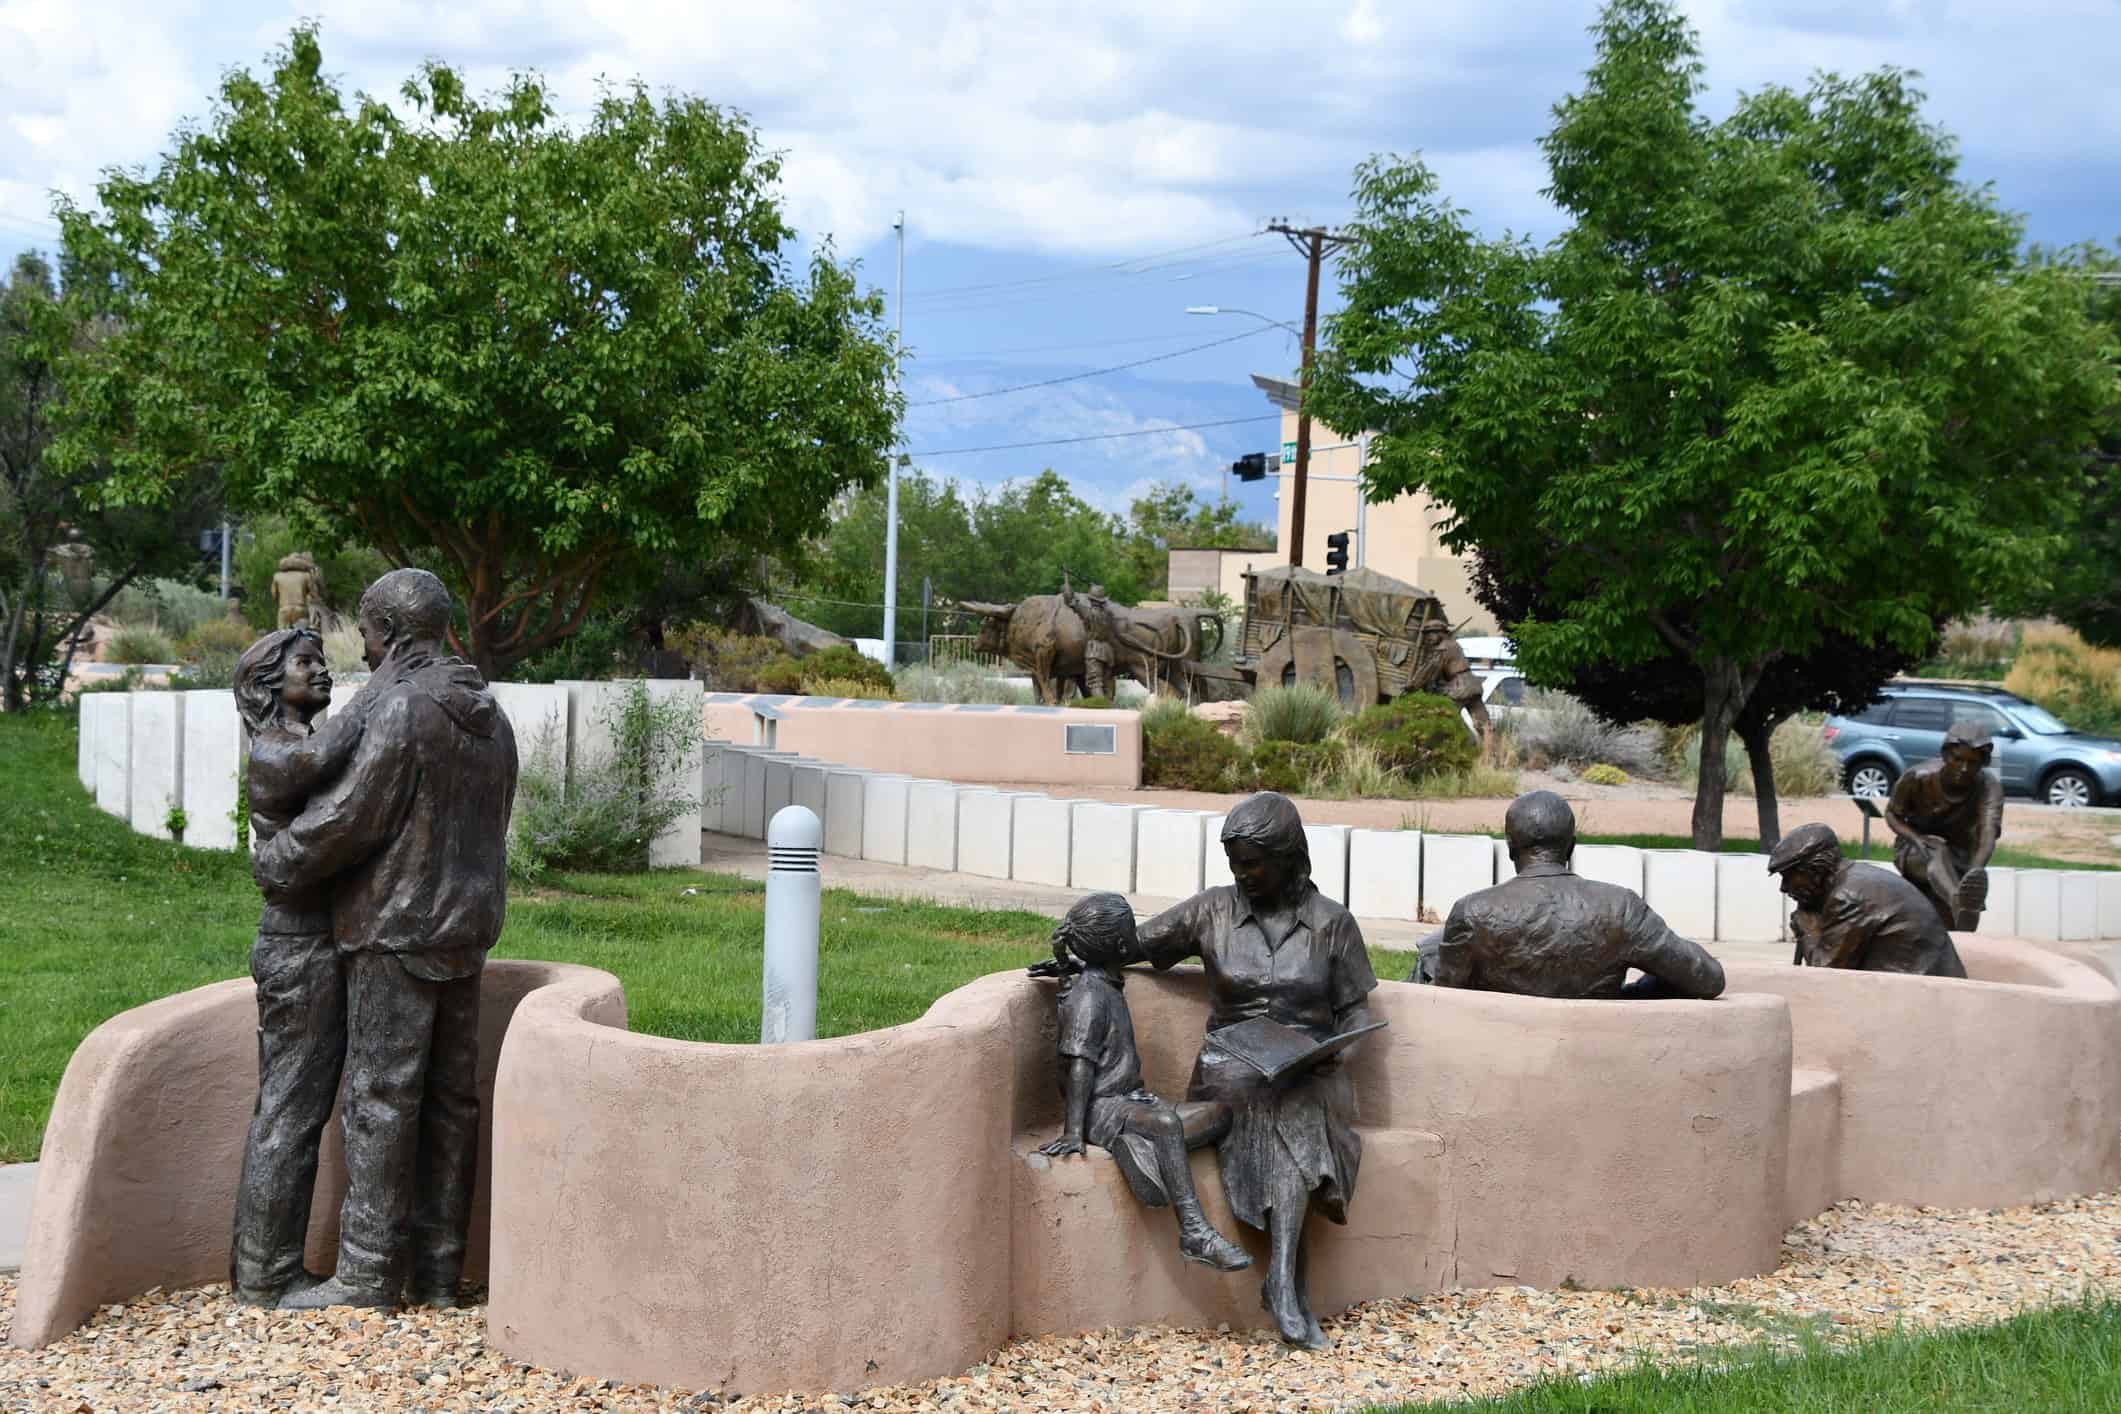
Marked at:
<point>44,507</point>
<point>1171,515</point>
<point>1783,376</point>
<point>535,359</point>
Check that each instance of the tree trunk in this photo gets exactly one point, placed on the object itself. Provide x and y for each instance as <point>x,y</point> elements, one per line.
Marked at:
<point>1758,738</point>
<point>1722,697</point>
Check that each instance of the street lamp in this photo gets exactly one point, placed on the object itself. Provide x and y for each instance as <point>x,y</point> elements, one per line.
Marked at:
<point>1221,309</point>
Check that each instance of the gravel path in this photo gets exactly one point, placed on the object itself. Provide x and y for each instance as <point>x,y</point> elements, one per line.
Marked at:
<point>1854,1269</point>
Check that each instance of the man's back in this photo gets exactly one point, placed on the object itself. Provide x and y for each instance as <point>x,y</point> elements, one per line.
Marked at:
<point>1875,921</point>
<point>1551,933</point>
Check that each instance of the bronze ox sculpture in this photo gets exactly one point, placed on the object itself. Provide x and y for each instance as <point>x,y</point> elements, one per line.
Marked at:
<point>1045,638</point>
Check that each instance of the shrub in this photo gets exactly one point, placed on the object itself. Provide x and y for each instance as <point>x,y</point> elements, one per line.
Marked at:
<point>1416,735</point>
<point>1300,712</point>
<point>214,636</point>
<point>213,669</point>
<point>140,645</point>
<point>1975,648</point>
<point>1604,775</point>
<point>849,665</point>
<point>345,652</point>
<point>1295,767</point>
<point>959,682</point>
<point>1804,764</point>
<point>1182,752</point>
<point>2070,678</point>
<point>605,818</point>
<point>847,687</point>
<point>1162,711</point>
<point>598,650</point>
<point>1094,704</point>
<point>1555,729</point>
<point>726,662</point>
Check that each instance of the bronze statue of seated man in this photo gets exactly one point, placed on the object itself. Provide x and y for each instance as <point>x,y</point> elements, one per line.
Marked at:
<point>1864,919</point>
<point>1550,933</point>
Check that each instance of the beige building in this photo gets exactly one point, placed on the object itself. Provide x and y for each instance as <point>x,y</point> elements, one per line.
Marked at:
<point>1400,538</point>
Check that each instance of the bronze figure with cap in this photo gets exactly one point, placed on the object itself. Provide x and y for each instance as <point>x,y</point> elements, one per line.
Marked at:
<point>1858,917</point>
<point>1948,814</point>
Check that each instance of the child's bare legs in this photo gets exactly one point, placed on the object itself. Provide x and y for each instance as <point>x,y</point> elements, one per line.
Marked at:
<point>1164,1126</point>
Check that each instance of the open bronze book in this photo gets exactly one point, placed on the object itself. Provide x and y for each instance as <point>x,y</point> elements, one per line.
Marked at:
<point>1281,1052</point>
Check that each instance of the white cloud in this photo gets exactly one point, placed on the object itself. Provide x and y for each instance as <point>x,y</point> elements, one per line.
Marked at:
<point>1088,129</point>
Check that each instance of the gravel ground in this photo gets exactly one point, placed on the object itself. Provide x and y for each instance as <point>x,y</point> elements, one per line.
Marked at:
<point>1854,1269</point>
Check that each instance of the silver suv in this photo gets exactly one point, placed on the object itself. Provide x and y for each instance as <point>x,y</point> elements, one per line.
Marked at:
<point>2036,753</point>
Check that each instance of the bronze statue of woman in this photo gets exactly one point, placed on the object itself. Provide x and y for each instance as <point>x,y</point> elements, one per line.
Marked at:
<point>282,684</point>
<point>1273,946</point>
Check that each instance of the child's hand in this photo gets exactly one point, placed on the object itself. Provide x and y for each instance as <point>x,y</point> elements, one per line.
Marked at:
<point>1063,1146</point>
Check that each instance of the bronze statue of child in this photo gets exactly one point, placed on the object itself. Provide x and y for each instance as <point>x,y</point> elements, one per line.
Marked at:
<point>1101,1080</point>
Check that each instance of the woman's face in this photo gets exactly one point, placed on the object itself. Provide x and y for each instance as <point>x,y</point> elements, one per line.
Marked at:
<point>305,680</point>
<point>1262,876</point>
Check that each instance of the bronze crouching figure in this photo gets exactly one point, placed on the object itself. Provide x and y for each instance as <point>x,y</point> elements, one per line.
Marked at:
<point>1947,815</point>
<point>1858,917</point>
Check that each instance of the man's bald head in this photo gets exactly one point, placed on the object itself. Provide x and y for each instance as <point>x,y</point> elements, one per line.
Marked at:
<point>1540,825</point>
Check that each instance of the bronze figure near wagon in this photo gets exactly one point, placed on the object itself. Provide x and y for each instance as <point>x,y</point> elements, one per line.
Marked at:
<point>1362,636</point>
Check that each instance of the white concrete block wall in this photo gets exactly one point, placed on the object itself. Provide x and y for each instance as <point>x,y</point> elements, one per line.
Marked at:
<point>1384,873</point>
<point>539,714</point>
<point>780,786</point>
<point>590,709</point>
<point>736,769</point>
<point>754,795</point>
<point>845,789</point>
<point>931,824</point>
<point>2040,905</point>
<point>1329,860</point>
<point>1214,862</point>
<point>1505,870</point>
<point>114,752</point>
<point>679,844</point>
<point>89,710</point>
<point>884,818</point>
<point>213,766</point>
<point>157,766</point>
<point>1748,900</point>
<point>1167,853</point>
<point>1042,830</point>
<point>1453,866</point>
<point>2080,906</point>
<point>2109,888</point>
<point>1609,864</point>
<point>1999,917</point>
<point>985,831</point>
<point>809,780</point>
<point>1680,887</point>
<point>1101,849</point>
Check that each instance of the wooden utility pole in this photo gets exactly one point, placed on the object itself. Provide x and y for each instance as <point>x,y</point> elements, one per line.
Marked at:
<point>1313,243</point>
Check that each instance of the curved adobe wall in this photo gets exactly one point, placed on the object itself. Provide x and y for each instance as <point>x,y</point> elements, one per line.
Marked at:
<point>136,1183</point>
<point>818,1215</point>
<point>1964,1093</point>
<point>857,1210</point>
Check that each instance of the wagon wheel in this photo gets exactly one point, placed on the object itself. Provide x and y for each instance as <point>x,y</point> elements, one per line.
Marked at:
<point>1333,658</point>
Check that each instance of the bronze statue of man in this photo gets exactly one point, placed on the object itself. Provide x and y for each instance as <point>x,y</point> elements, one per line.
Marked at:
<point>412,839</point>
<point>1863,919</point>
<point>1550,933</point>
<point>1947,814</point>
<point>1100,637</point>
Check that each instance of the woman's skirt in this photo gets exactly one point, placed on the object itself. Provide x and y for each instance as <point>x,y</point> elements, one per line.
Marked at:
<point>1297,1137</point>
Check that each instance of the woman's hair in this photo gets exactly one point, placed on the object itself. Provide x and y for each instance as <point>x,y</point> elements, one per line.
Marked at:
<point>1099,930</point>
<point>260,671</point>
<point>1268,821</point>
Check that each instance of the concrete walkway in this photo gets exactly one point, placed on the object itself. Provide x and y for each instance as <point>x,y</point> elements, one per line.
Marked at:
<point>16,1181</point>
<point>732,854</point>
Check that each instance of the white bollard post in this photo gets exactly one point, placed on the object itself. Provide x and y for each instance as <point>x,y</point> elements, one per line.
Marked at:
<point>792,910</point>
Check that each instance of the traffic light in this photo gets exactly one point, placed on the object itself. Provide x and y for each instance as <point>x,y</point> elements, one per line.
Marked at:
<point>1337,552</point>
<point>1250,467</point>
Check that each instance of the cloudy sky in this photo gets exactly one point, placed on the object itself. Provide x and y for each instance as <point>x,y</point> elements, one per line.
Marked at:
<point>1075,175</point>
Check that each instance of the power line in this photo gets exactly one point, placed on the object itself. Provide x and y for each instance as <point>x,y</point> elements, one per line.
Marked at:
<point>1093,373</point>
<point>1086,272</point>
<point>950,355</point>
<point>1010,299</point>
<point>1096,437</point>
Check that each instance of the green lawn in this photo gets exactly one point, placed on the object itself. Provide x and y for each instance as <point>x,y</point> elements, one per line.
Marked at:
<point>2064,1359</point>
<point>95,919</point>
